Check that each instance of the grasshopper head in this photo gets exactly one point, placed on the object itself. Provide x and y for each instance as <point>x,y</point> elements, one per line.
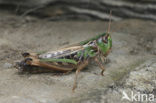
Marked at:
<point>104,44</point>
<point>105,41</point>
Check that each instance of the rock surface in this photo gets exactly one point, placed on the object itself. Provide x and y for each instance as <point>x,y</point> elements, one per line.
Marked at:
<point>83,9</point>
<point>125,71</point>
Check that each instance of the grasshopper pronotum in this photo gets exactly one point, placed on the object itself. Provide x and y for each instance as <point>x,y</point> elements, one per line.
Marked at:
<point>69,58</point>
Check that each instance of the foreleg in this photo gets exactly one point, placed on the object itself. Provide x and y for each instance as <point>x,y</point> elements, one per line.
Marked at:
<point>100,65</point>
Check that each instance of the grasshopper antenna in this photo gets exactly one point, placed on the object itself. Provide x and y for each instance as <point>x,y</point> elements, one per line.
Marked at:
<point>109,24</point>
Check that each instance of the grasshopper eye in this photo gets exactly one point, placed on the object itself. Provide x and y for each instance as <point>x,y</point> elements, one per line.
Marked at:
<point>105,39</point>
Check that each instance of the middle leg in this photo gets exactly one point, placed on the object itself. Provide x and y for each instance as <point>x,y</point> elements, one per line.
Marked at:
<point>81,66</point>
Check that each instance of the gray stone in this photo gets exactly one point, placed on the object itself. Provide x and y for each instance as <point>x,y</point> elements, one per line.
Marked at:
<point>7,65</point>
<point>85,9</point>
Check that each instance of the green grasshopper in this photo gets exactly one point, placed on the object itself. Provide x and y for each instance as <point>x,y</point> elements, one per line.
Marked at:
<point>73,57</point>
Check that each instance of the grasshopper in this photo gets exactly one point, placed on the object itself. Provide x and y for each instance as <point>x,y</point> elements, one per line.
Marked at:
<point>69,58</point>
